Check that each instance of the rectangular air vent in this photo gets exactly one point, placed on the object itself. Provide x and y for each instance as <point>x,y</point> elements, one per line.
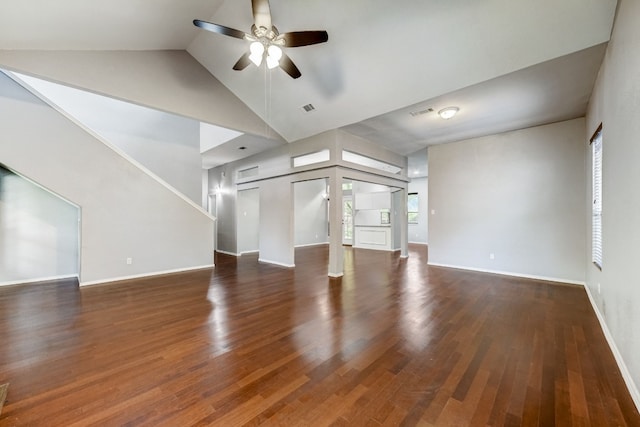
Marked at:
<point>308,108</point>
<point>421,112</point>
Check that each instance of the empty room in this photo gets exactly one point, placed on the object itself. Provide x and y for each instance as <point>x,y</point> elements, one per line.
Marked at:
<point>268,212</point>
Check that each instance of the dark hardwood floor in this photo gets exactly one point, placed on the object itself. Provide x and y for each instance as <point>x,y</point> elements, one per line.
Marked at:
<point>393,342</point>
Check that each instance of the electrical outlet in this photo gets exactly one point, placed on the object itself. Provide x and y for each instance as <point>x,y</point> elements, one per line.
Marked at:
<point>598,288</point>
<point>433,211</point>
<point>491,256</point>
<point>129,261</point>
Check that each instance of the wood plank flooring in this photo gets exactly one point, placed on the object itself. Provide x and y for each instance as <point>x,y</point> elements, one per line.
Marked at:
<point>394,342</point>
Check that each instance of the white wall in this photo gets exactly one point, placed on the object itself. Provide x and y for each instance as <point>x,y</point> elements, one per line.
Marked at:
<point>166,144</point>
<point>125,212</point>
<point>166,80</point>
<point>310,216</point>
<point>616,104</point>
<point>176,162</point>
<point>38,232</point>
<point>276,222</point>
<point>248,220</point>
<point>519,195</point>
<point>418,233</point>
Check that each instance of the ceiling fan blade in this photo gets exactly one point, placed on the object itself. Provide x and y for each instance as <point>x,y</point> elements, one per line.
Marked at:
<point>220,29</point>
<point>261,13</point>
<point>289,67</point>
<point>304,38</point>
<point>243,62</point>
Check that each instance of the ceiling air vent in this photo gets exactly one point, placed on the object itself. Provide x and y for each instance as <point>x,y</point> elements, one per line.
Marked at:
<point>308,108</point>
<point>421,112</point>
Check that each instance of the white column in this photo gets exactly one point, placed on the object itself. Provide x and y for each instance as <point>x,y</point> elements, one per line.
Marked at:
<point>336,251</point>
<point>404,225</point>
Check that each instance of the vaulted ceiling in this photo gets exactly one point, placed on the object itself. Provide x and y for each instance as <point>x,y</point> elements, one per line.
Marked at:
<point>506,64</point>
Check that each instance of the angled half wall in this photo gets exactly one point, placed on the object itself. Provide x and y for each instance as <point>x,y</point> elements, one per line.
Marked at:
<point>131,224</point>
<point>39,233</point>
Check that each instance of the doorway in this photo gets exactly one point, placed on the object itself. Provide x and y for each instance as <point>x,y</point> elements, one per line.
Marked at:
<point>248,205</point>
<point>347,220</point>
<point>212,208</point>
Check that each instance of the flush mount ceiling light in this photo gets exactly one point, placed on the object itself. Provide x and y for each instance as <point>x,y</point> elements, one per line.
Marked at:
<point>447,113</point>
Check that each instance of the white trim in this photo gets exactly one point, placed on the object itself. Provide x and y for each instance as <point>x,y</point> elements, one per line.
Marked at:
<point>404,256</point>
<point>419,243</point>
<point>266,261</point>
<point>53,193</point>
<point>116,149</point>
<point>38,280</point>
<point>628,379</point>
<point>335,274</point>
<point>375,249</point>
<point>255,251</point>
<point>509,273</point>
<point>145,275</point>
<point>227,253</point>
<point>311,244</point>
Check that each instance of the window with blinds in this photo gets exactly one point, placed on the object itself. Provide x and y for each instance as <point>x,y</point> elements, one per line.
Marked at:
<point>413,203</point>
<point>596,214</point>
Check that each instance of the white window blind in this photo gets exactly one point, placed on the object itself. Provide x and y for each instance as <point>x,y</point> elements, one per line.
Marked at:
<point>596,221</point>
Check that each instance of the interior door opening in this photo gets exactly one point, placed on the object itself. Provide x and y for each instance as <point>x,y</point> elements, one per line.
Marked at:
<point>347,220</point>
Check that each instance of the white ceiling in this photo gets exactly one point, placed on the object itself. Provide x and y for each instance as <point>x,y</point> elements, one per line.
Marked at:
<point>543,93</point>
<point>507,64</point>
<point>101,25</point>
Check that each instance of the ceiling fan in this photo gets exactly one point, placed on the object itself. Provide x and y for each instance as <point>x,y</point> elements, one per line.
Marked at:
<point>266,41</point>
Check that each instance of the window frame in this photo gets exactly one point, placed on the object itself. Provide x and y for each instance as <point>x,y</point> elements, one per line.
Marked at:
<point>417,212</point>
<point>596,143</point>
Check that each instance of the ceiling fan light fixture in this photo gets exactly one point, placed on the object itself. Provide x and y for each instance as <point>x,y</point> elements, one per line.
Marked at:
<point>257,52</point>
<point>448,112</point>
<point>265,36</point>
<point>274,53</point>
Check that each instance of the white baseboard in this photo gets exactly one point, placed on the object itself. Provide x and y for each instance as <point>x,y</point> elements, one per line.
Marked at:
<point>628,379</point>
<point>312,244</point>
<point>38,280</point>
<point>266,261</point>
<point>336,274</point>
<point>144,275</point>
<point>509,273</point>
<point>248,252</point>
<point>227,253</point>
<point>419,243</point>
<point>373,248</point>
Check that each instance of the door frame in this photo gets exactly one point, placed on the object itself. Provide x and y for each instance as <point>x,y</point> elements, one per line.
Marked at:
<point>346,241</point>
